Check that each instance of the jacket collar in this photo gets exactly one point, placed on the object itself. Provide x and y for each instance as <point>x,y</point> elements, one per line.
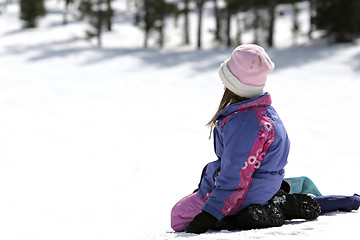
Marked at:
<point>262,101</point>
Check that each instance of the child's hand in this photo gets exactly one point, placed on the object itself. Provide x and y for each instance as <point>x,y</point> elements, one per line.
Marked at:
<point>201,223</point>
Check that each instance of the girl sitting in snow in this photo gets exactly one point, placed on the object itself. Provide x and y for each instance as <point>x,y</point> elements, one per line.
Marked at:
<point>239,190</point>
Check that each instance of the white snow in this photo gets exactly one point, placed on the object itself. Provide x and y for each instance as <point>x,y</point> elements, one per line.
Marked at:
<point>101,143</point>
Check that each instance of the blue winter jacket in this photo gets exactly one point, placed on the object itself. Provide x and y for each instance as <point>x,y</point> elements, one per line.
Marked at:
<point>252,147</point>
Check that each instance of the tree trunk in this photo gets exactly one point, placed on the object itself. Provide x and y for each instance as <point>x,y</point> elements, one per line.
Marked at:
<point>311,9</point>
<point>200,4</point>
<point>228,25</point>
<point>217,21</point>
<point>186,22</point>
<point>65,21</point>
<point>239,30</point>
<point>256,24</point>
<point>228,22</point>
<point>162,24</point>
<point>296,27</point>
<point>99,24</point>
<point>109,15</point>
<point>270,37</point>
<point>146,22</point>
<point>146,38</point>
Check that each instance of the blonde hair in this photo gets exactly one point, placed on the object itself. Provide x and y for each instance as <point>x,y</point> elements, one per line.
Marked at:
<point>227,99</point>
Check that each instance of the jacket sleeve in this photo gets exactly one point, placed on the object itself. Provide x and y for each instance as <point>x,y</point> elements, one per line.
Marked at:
<point>241,149</point>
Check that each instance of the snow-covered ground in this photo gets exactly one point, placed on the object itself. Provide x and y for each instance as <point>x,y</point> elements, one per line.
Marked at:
<point>101,143</point>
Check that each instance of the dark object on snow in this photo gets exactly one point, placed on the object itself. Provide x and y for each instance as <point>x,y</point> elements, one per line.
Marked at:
<point>297,205</point>
<point>254,216</point>
<point>201,223</point>
<point>281,207</point>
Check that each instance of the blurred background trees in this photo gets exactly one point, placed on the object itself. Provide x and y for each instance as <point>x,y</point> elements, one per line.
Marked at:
<point>337,19</point>
<point>30,11</point>
<point>99,14</point>
<point>151,18</point>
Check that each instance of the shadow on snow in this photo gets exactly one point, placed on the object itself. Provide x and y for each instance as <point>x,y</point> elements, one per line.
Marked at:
<point>200,59</point>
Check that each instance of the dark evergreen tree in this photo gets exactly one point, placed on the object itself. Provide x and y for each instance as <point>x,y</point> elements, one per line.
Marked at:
<point>339,18</point>
<point>99,13</point>
<point>260,21</point>
<point>231,8</point>
<point>30,11</point>
<point>151,17</point>
<point>251,15</point>
<point>257,16</point>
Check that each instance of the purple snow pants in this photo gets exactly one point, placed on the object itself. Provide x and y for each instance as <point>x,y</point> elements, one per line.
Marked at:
<point>185,210</point>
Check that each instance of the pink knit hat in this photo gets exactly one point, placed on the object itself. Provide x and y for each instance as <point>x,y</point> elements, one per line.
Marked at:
<point>245,72</point>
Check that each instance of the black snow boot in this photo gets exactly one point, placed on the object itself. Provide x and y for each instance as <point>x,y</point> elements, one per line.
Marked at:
<point>253,217</point>
<point>297,205</point>
<point>260,216</point>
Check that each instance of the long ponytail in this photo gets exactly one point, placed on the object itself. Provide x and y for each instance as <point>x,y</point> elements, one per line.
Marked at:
<point>227,99</point>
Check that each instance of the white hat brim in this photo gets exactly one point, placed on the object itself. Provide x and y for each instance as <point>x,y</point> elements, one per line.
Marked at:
<point>237,87</point>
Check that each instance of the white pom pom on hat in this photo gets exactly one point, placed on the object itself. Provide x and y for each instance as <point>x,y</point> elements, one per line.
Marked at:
<point>245,72</point>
